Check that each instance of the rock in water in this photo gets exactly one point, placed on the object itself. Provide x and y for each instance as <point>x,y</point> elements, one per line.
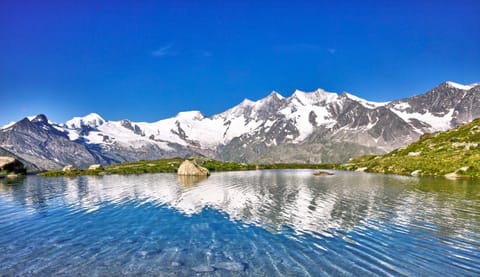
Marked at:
<point>203,268</point>
<point>322,173</point>
<point>10,164</point>
<point>191,168</point>
<point>230,266</point>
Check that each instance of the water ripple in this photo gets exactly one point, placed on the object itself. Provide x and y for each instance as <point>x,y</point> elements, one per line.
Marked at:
<point>263,223</point>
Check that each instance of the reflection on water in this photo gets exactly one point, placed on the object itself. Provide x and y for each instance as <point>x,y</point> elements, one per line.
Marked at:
<point>272,198</point>
<point>189,180</point>
<point>356,214</point>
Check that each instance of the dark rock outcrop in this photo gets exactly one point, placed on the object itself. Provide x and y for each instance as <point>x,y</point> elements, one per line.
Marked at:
<point>11,165</point>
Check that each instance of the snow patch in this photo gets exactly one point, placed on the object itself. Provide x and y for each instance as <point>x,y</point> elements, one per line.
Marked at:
<point>438,123</point>
<point>460,86</point>
<point>194,115</point>
<point>93,120</point>
<point>8,125</point>
<point>365,103</point>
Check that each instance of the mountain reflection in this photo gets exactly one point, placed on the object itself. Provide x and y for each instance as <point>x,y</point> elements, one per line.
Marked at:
<point>272,199</point>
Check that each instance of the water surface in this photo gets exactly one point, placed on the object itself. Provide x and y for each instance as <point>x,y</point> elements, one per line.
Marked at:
<point>257,223</point>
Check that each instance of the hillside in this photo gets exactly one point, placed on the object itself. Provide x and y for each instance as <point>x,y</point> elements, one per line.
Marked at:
<point>453,153</point>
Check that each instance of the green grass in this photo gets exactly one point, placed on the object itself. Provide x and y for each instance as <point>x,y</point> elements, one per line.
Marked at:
<point>454,151</point>
<point>171,166</point>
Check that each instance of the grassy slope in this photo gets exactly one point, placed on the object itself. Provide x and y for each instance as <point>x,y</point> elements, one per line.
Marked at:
<point>171,166</point>
<point>454,151</point>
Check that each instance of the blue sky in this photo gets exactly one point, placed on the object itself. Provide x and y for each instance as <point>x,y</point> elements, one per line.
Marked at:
<point>148,60</point>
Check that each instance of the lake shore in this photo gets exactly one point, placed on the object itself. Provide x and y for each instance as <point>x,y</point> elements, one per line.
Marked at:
<point>171,166</point>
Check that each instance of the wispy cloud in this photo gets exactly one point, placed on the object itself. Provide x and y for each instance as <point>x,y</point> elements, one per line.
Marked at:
<point>332,50</point>
<point>166,50</point>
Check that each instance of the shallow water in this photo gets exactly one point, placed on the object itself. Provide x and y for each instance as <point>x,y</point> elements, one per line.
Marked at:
<point>257,223</point>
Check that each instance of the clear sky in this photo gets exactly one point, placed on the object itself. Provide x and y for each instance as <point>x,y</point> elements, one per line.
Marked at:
<point>148,60</point>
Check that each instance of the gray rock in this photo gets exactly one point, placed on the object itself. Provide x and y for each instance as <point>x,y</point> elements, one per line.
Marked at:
<point>230,266</point>
<point>191,168</point>
<point>69,168</point>
<point>322,173</point>
<point>203,268</point>
<point>95,167</point>
<point>10,164</point>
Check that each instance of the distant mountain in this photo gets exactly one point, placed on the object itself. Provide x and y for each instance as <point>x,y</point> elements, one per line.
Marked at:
<point>311,127</point>
<point>453,153</point>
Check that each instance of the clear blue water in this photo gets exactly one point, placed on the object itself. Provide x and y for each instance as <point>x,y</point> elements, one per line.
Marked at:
<point>258,223</point>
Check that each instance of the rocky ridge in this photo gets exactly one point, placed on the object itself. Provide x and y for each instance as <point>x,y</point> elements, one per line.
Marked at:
<point>315,127</point>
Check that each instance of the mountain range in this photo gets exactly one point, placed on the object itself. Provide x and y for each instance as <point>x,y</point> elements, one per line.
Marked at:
<point>311,127</point>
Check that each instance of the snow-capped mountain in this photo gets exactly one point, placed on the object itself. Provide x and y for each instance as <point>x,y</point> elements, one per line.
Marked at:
<point>316,126</point>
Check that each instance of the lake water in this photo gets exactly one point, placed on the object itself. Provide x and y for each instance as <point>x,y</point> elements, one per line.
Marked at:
<point>257,223</point>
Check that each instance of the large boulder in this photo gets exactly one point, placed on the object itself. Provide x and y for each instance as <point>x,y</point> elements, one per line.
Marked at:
<point>69,168</point>
<point>191,168</point>
<point>10,164</point>
<point>95,167</point>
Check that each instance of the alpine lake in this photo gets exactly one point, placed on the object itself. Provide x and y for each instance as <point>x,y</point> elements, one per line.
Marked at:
<point>247,223</point>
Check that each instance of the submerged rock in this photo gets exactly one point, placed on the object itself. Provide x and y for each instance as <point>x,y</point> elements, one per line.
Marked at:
<point>230,266</point>
<point>191,168</point>
<point>203,268</point>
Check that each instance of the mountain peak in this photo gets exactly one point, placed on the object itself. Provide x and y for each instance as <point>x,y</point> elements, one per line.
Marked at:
<point>246,102</point>
<point>365,103</point>
<point>317,96</point>
<point>273,97</point>
<point>40,118</point>
<point>275,94</point>
<point>191,115</point>
<point>91,120</point>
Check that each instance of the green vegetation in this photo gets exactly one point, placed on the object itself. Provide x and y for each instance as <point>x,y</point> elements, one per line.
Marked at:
<point>171,166</point>
<point>455,153</point>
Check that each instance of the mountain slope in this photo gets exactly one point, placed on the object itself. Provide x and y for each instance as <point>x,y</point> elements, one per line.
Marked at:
<point>28,165</point>
<point>316,126</point>
<point>452,153</point>
<point>40,143</point>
